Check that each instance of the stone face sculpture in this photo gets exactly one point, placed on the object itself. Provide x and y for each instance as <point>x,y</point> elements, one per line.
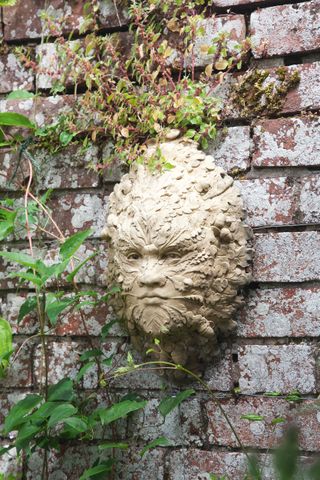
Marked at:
<point>179,251</point>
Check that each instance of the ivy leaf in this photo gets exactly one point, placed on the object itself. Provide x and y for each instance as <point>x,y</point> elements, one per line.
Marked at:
<point>18,412</point>
<point>5,345</point>
<point>73,243</point>
<point>119,410</point>
<point>61,391</point>
<point>28,306</point>
<point>168,404</point>
<point>55,306</point>
<point>77,424</point>
<point>252,417</point>
<point>20,95</point>
<point>97,470</point>
<point>15,120</point>
<point>7,218</point>
<point>60,413</point>
<point>158,442</point>
<point>106,446</point>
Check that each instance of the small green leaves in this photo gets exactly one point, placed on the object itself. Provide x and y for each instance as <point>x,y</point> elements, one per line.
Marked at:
<point>5,345</point>
<point>169,403</point>
<point>7,3</point>
<point>7,219</point>
<point>98,470</point>
<point>73,243</point>
<point>252,417</point>
<point>108,445</point>
<point>61,391</point>
<point>120,410</point>
<point>55,306</point>
<point>28,306</point>
<point>158,442</point>
<point>17,414</point>
<point>15,120</point>
<point>20,95</point>
<point>60,413</point>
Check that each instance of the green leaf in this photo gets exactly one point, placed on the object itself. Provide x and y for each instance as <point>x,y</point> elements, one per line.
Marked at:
<point>25,435</point>
<point>252,417</point>
<point>65,138</point>
<point>119,410</point>
<point>168,404</point>
<point>97,470</point>
<point>106,446</point>
<point>28,306</point>
<point>95,352</point>
<point>19,411</point>
<point>55,307</point>
<point>277,420</point>
<point>28,276</point>
<point>7,218</point>
<point>43,412</point>
<point>7,3</point>
<point>77,424</point>
<point>60,413</point>
<point>15,120</point>
<point>5,345</point>
<point>61,391</point>
<point>83,370</point>
<point>71,245</point>
<point>106,329</point>
<point>74,272</point>
<point>20,258</point>
<point>20,95</point>
<point>158,442</point>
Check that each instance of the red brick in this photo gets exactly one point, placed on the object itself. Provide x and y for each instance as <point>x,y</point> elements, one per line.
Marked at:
<point>193,464</point>
<point>75,211</point>
<point>282,142</point>
<point>266,368</point>
<point>19,373</point>
<point>231,148</point>
<point>287,257</point>
<point>23,21</point>
<point>286,29</point>
<point>286,312</point>
<point>262,434</point>
<point>42,111</point>
<point>268,201</point>
<point>13,75</point>
<point>66,169</point>
<point>11,464</point>
<point>309,204</point>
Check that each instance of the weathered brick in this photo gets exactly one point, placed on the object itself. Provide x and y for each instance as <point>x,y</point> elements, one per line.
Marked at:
<point>287,257</point>
<point>79,211</point>
<point>309,204</point>
<point>13,75</point>
<point>66,169</point>
<point>232,25</point>
<point>132,466</point>
<point>285,29</point>
<point>27,19</point>
<point>231,148</point>
<point>282,142</point>
<point>262,434</point>
<point>286,312</point>
<point>191,464</point>
<point>69,463</point>
<point>277,368</point>
<point>19,373</point>
<point>11,464</point>
<point>182,426</point>
<point>268,201</point>
<point>40,110</point>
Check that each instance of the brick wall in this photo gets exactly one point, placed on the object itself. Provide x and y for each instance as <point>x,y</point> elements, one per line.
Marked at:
<point>276,347</point>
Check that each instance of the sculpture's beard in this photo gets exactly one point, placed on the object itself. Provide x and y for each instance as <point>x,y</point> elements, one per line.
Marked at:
<point>186,337</point>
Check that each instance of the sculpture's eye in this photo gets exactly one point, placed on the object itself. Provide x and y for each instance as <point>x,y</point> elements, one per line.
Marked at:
<point>133,256</point>
<point>170,255</point>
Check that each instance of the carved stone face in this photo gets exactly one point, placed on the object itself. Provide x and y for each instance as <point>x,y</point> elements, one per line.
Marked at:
<point>178,249</point>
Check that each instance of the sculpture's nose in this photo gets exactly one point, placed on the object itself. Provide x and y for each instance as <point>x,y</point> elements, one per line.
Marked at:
<point>152,278</point>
